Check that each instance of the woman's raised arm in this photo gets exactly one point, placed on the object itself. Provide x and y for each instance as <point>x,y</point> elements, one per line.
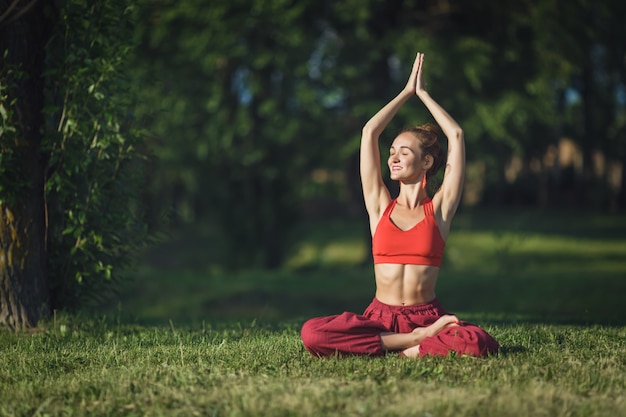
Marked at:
<point>375,193</point>
<point>448,198</point>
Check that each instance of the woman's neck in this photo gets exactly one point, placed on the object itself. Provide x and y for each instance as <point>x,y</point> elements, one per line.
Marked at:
<point>411,195</point>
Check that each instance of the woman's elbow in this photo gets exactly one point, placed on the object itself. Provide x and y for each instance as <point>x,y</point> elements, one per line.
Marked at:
<point>458,134</point>
<point>370,131</point>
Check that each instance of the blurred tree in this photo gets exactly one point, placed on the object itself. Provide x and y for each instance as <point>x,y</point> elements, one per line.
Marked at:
<point>244,101</point>
<point>68,163</point>
<point>236,117</point>
<point>577,58</point>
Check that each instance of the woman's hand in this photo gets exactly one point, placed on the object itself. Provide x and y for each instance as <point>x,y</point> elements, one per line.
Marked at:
<point>411,83</point>
<point>420,85</point>
<point>416,84</point>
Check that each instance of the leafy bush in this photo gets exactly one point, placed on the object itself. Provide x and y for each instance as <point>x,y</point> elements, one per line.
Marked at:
<point>95,222</point>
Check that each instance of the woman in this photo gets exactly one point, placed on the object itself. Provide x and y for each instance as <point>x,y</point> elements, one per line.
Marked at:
<point>408,240</point>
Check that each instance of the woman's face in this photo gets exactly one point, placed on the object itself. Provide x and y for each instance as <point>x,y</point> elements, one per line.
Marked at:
<point>405,158</point>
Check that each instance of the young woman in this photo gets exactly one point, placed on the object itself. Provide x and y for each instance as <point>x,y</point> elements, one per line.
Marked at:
<point>408,241</point>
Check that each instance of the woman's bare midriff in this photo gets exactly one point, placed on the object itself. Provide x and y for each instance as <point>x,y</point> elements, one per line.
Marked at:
<point>398,284</point>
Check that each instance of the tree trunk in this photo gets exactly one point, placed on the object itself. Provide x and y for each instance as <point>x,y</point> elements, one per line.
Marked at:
<point>23,276</point>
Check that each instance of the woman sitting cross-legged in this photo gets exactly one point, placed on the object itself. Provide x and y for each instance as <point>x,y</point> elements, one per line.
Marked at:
<point>408,239</point>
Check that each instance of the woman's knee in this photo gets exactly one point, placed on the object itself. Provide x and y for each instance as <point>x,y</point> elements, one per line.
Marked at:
<point>310,335</point>
<point>480,343</point>
<point>465,340</point>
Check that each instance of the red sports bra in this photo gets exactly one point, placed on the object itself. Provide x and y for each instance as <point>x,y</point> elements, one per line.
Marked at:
<point>420,245</point>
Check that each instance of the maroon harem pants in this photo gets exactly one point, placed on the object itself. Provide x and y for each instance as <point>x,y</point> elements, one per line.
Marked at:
<point>354,334</point>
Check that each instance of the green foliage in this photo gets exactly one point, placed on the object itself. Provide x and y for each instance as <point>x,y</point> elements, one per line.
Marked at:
<point>233,113</point>
<point>94,175</point>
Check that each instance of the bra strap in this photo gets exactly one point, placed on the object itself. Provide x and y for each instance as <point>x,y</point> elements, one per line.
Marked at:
<point>428,208</point>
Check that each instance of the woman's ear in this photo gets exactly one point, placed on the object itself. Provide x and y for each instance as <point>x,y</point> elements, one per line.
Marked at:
<point>428,162</point>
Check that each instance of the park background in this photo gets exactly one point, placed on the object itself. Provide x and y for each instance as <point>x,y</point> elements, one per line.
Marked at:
<point>203,200</point>
<point>253,113</point>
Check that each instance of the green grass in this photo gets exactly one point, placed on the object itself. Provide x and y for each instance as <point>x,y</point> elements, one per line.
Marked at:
<point>102,368</point>
<point>187,339</point>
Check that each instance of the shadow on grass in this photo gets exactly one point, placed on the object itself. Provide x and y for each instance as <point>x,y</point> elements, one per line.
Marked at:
<point>519,297</point>
<point>511,350</point>
<point>263,296</point>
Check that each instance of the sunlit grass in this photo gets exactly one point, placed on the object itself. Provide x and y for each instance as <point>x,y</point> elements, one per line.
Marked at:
<point>335,253</point>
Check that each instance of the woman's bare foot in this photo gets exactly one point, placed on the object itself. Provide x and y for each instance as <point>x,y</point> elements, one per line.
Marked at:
<point>422,333</point>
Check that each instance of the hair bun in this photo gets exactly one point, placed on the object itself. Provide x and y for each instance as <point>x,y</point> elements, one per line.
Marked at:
<point>429,127</point>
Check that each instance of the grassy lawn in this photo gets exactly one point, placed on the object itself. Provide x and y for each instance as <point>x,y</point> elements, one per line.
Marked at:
<point>187,339</point>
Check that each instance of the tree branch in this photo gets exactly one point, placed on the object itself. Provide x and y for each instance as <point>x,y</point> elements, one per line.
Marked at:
<point>17,15</point>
